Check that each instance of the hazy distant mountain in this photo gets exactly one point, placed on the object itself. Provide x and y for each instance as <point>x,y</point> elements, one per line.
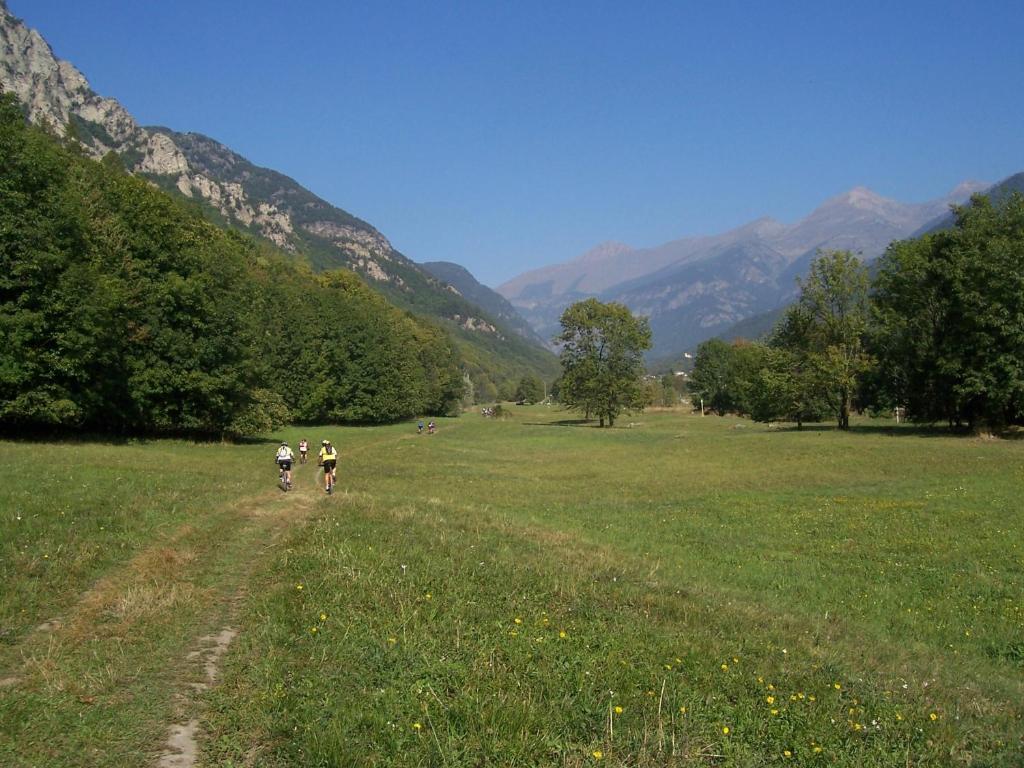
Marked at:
<point>694,288</point>
<point>754,327</point>
<point>996,192</point>
<point>491,302</point>
<point>240,194</point>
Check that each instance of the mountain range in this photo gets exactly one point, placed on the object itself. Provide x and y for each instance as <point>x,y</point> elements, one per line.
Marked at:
<point>697,287</point>
<point>690,289</point>
<point>265,203</point>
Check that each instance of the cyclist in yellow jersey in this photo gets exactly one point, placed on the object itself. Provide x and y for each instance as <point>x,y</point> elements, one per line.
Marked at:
<point>328,459</point>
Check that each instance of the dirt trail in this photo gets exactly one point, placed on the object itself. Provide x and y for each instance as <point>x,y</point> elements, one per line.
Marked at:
<point>201,665</point>
<point>193,579</point>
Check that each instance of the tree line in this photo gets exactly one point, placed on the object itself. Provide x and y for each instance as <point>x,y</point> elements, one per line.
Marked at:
<point>124,311</point>
<point>935,328</point>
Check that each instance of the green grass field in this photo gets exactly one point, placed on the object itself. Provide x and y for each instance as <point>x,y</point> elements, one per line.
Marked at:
<point>528,591</point>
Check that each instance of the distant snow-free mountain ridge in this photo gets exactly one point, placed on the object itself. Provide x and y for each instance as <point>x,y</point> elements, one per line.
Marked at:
<point>694,288</point>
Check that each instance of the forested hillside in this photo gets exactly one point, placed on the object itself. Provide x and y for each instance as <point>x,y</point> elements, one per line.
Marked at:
<point>237,194</point>
<point>125,311</point>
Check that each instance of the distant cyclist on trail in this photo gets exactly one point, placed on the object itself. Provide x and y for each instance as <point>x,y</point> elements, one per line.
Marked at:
<point>284,460</point>
<point>328,459</point>
<point>303,450</point>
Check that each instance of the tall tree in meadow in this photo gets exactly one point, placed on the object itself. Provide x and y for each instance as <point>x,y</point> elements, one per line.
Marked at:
<point>711,379</point>
<point>949,317</point>
<point>602,359</point>
<point>825,330</point>
<point>793,384</point>
<point>529,390</point>
<point>725,374</point>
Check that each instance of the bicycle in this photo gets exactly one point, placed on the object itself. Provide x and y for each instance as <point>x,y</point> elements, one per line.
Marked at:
<point>284,479</point>
<point>284,476</point>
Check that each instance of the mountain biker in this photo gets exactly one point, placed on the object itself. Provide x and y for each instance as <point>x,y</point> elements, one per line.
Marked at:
<point>328,459</point>
<point>303,450</point>
<point>284,460</point>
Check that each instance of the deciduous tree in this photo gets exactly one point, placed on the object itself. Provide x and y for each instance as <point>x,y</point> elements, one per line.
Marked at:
<point>602,348</point>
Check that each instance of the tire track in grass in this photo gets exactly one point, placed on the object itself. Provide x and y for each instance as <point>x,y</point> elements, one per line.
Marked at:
<point>202,664</point>
<point>141,645</point>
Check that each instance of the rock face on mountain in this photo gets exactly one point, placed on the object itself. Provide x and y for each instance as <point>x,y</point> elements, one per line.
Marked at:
<point>265,202</point>
<point>494,304</point>
<point>238,193</point>
<point>693,288</point>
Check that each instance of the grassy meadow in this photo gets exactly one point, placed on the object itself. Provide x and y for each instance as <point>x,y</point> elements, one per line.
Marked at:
<point>524,591</point>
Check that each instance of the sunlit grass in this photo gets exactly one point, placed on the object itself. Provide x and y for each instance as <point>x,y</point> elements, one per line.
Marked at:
<point>745,596</point>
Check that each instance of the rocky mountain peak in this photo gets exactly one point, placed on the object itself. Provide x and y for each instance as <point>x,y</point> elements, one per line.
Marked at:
<point>859,199</point>
<point>862,197</point>
<point>965,189</point>
<point>609,249</point>
<point>264,202</point>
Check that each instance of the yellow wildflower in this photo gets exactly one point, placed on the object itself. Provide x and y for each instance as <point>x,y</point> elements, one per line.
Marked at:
<point>562,634</point>
<point>618,710</point>
<point>770,699</point>
<point>725,730</point>
<point>787,753</point>
<point>725,667</point>
<point>417,727</point>
<point>323,617</point>
<point>933,717</point>
<point>518,620</point>
<point>598,754</point>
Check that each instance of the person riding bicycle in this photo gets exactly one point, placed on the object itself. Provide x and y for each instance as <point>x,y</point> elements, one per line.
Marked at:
<point>303,450</point>
<point>328,459</point>
<point>284,460</point>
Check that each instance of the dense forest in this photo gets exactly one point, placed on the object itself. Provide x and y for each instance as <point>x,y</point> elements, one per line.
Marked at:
<point>935,331</point>
<point>125,311</point>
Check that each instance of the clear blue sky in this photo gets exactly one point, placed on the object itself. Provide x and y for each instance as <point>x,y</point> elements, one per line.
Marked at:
<point>505,136</point>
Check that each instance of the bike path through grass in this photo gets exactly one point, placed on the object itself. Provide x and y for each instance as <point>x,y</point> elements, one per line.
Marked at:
<point>135,552</point>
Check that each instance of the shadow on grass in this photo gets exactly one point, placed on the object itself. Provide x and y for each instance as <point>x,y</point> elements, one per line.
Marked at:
<point>902,430</point>
<point>563,423</point>
<point>67,437</point>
